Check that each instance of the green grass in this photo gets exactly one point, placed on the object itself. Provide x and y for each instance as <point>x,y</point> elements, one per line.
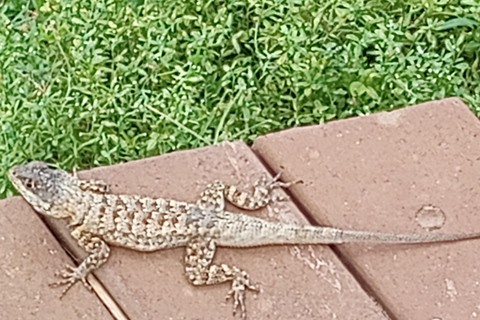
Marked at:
<point>93,82</point>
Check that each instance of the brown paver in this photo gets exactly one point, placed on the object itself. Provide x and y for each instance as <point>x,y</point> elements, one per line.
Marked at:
<point>29,257</point>
<point>297,282</point>
<point>376,173</point>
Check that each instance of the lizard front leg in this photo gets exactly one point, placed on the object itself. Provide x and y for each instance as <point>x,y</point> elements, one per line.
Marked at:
<point>99,253</point>
<point>201,271</point>
<point>97,186</point>
<point>217,193</point>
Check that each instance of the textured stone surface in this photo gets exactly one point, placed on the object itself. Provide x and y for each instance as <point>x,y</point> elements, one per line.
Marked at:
<point>296,282</point>
<point>408,170</point>
<point>29,257</point>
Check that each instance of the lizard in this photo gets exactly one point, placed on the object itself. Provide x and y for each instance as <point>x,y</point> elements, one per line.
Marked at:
<point>99,219</point>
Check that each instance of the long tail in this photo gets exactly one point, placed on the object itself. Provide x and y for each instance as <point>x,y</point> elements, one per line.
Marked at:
<point>260,232</point>
<point>327,235</point>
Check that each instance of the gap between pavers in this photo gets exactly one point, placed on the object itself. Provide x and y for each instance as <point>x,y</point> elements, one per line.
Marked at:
<point>30,255</point>
<point>377,173</point>
<point>297,282</point>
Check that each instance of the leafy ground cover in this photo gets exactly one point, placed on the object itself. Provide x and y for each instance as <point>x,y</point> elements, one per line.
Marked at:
<point>88,83</point>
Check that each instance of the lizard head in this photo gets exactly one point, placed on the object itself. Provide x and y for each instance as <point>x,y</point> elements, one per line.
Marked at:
<point>44,187</point>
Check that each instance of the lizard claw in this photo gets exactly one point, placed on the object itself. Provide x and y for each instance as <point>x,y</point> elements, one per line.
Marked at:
<point>70,275</point>
<point>275,182</point>
<point>240,283</point>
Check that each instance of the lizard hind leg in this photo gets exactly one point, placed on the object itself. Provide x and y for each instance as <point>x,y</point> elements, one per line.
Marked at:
<point>217,193</point>
<point>213,196</point>
<point>200,271</point>
<point>262,193</point>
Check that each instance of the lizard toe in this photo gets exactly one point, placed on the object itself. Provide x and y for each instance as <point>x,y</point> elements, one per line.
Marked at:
<point>240,283</point>
<point>70,275</point>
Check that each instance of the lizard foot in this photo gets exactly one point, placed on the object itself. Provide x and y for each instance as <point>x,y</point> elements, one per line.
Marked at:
<point>263,187</point>
<point>240,283</point>
<point>70,275</point>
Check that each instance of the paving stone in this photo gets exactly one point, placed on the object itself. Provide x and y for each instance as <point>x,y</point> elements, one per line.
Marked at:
<point>297,282</point>
<point>409,170</point>
<point>30,255</point>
